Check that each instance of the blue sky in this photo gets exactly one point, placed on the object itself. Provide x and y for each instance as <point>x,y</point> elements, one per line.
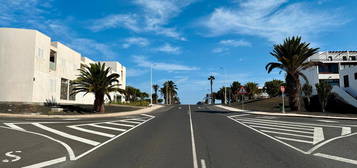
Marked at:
<point>187,40</point>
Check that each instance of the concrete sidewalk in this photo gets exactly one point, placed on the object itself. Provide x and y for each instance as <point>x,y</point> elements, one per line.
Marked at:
<point>118,114</point>
<point>283,114</point>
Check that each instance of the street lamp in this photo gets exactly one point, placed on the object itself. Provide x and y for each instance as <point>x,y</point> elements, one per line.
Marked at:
<point>224,84</point>
<point>151,85</point>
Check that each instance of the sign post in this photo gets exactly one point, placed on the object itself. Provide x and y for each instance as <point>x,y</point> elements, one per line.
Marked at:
<point>242,91</point>
<point>282,89</point>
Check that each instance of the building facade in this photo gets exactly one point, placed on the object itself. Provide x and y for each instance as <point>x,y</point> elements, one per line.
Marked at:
<point>33,69</point>
<point>332,63</point>
<point>348,80</point>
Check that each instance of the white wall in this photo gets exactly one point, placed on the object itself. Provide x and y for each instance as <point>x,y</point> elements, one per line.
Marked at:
<point>17,51</point>
<point>351,78</point>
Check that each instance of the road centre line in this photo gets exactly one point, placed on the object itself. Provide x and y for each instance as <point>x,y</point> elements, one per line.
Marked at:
<point>203,163</point>
<point>279,129</point>
<point>105,127</point>
<point>91,131</point>
<point>336,158</point>
<point>282,133</point>
<point>66,135</point>
<point>277,125</point>
<point>300,123</point>
<point>47,163</point>
<point>194,154</point>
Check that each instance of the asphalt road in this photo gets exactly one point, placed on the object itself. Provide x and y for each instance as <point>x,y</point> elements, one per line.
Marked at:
<point>182,136</point>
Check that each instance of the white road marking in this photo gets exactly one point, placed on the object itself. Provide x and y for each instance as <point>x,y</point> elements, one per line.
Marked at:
<point>239,115</point>
<point>119,124</point>
<point>121,134</point>
<point>136,119</point>
<point>179,108</point>
<point>278,126</point>
<point>295,140</point>
<point>297,123</point>
<point>105,127</point>
<point>271,137</point>
<point>337,158</point>
<point>67,147</point>
<point>346,130</point>
<point>318,135</point>
<point>132,122</point>
<point>279,129</point>
<point>66,135</point>
<point>275,122</point>
<point>47,163</point>
<point>328,141</point>
<point>11,125</point>
<point>328,121</point>
<point>282,133</point>
<point>203,163</point>
<point>194,154</point>
<point>91,131</point>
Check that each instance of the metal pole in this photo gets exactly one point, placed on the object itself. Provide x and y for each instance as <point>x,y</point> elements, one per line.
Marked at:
<point>282,95</point>
<point>242,102</point>
<point>150,84</point>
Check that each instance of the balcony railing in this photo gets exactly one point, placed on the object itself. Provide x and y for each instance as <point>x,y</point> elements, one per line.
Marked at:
<point>339,60</point>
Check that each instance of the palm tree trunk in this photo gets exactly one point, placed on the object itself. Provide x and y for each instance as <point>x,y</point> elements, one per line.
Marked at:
<point>99,103</point>
<point>211,82</point>
<point>293,92</point>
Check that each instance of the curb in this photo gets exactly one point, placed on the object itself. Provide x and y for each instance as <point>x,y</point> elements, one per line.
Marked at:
<point>284,115</point>
<point>140,111</point>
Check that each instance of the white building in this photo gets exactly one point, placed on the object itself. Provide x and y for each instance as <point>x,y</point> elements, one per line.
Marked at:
<point>348,80</point>
<point>336,66</point>
<point>33,69</point>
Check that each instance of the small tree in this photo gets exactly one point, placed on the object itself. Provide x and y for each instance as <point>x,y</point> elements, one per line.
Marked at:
<point>273,87</point>
<point>323,92</point>
<point>307,90</point>
<point>252,89</point>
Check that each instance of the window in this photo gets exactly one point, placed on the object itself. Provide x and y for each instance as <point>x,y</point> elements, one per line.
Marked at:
<point>328,68</point>
<point>71,96</point>
<point>353,58</point>
<point>40,53</point>
<point>53,55</point>
<point>346,83</point>
<point>64,89</point>
<point>344,58</point>
<point>330,58</point>
<point>332,82</point>
<point>356,76</point>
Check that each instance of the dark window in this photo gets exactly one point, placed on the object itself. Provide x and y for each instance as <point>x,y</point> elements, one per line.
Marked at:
<point>71,96</point>
<point>64,89</point>
<point>345,81</point>
<point>353,58</point>
<point>344,58</point>
<point>330,58</point>
<point>328,68</point>
<point>356,76</point>
<point>332,82</point>
<point>53,56</point>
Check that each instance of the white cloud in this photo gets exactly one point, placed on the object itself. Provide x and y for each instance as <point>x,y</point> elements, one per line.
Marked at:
<point>139,41</point>
<point>92,48</point>
<point>154,17</point>
<point>236,43</point>
<point>141,61</point>
<point>168,48</point>
<point>119,20</point>
<point>270,19</point>
<point>131,72</point>
<point>219,50</point>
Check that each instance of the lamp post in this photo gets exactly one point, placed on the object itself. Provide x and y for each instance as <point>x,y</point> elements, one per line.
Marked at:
<point>151,85</point>
<point>224,84</point>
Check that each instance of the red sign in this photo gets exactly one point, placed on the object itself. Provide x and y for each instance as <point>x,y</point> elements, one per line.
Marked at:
<point>282,89</point>
<point>242,90</point>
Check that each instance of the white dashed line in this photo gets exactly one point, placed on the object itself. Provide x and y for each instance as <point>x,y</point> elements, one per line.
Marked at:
<point>346,130</point>
<point>194,154</point>
<point>119,124</point>
<point>105,127</point>
<point>203,163</point>
<point>91,131</point>
<point>132,122</point>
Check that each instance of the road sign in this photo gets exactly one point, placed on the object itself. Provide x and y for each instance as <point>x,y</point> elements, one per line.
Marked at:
<point>282,89</point>
<point>242,90</point>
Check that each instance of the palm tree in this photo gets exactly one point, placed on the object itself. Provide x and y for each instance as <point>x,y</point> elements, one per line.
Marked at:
<point>292,57</point>
<point>155,96</point>
<point>307,89</point>
<point>169,91</point>
<point>211,78</point>
<point>98,80</point>
<point>252,89</point>
<point>323,91</point>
